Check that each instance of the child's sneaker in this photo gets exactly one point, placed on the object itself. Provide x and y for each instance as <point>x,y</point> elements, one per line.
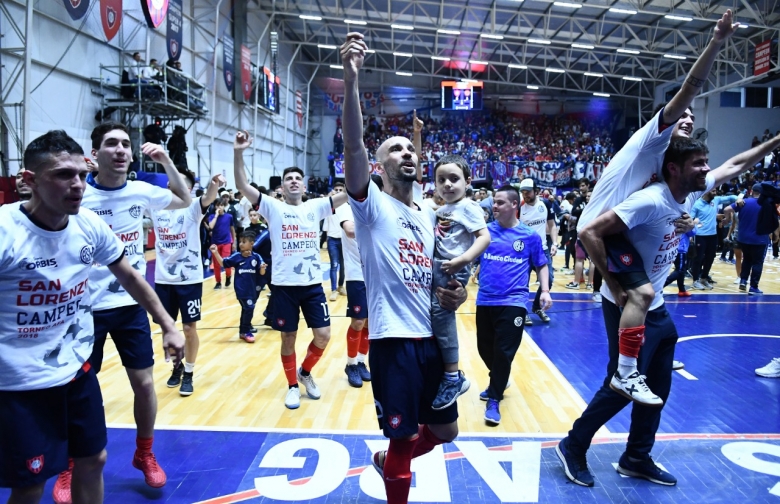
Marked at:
<point>449,391</point>
<point>248,337</point>
<point>633,387</point>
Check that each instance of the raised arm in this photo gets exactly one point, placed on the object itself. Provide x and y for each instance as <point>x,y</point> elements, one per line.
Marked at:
<point>211,191</point>
<point>417,142</point>
<point>240,144</point>
<point>181,194</point>
<point>744,161</point>
<point>355,156</point>
<point>700,69</point>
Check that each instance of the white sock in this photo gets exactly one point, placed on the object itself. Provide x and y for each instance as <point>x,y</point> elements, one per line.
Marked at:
<point>626,366</point>
<point>189,367</point>
<point>352,361</point>
<point>361,357</point>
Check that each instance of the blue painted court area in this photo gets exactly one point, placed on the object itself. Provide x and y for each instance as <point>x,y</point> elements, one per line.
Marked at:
<point>227,467</point>
<point>723,339</point>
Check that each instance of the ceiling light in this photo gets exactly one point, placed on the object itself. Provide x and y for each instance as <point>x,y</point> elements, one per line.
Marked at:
<point>448,32</point>
<point>355,22</point>
<point>603,95</point>
<point>310,18</point>
<point>677,18</point>
<point>491,36</point>
<point>630,12</point>
<point>744,25</point>
<point>532,87</point>
<point>469,80</point>
<point>674,56</point>
<point>627,51</point>
<point>593,74</point>
<point>403,54</point>
<point>567,4</point>
<point>404,74</point>
<point>337,67</point>
<point>402,27</point>
<point>539,41</point>
<point>582,46</point>
<point>520,67</point>
<point>554,70</point>
<point>325,46</point>
<point>440,58</point>
<point>371,51</point>
<point>634,79</point>
<point>477,62</point>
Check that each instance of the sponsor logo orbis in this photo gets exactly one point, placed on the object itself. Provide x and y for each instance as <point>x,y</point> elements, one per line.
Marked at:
<point>28,264</point>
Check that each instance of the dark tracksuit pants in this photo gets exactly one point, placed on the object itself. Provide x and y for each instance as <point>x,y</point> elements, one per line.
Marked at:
<point>499,333</point>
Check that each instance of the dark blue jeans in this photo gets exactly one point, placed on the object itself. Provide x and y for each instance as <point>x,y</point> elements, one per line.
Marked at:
<point>752,263</point>
<point>336,255</point>
<point>655,361</point>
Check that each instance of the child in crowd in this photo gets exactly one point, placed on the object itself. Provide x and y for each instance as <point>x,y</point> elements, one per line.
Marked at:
<point>249,270</point>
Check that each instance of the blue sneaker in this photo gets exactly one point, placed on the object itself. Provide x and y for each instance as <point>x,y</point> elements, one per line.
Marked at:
<point>449,391</point>
<point>575,467</point>
<point>492,415</point>
<point>645,469</point>
<point>365,374</point>
<point>353,376</point>
<point>755,291</point>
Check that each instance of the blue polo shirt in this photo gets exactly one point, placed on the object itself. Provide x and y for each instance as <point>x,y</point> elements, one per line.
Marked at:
<point>505,265</point>
<point>707,213</point>
<point>247,274</point>
<point>748,218</point>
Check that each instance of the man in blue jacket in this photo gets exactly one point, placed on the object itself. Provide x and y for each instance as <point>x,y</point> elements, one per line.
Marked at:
<point>706,210</point>
<point>753,245</point>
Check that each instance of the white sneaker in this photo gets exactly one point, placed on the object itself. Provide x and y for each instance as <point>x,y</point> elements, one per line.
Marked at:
<point>597,297</point>
<point>698,285</point>
<point>771,370</point>
<point>634,388</point>
<point>736,281</point>
<point>293,398</point>
<point>334,295</point>
<point>707,285</point>
<point>311,388</point>
<point>677,365</point>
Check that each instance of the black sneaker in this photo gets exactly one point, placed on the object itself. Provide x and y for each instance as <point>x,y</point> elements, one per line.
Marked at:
<point>353,376</point>
<point>175,378</point>
<point>253,330</point>
<point>528,322</point>
<point>645,469</point>
<point>186,385</point>
<point>365,374</point>
<point>227,282</point>
<point>217,286</point>
<point>576,467</point>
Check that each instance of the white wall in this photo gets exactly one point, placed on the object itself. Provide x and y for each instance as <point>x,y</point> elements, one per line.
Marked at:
<point>68,98</point>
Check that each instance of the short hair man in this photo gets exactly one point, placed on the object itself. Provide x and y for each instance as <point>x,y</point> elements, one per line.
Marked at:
<point>22,189</point>
<point>51,407</point>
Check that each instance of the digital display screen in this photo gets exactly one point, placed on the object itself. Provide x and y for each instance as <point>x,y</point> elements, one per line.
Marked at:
<point>271,84</point>
<point>456,95</point>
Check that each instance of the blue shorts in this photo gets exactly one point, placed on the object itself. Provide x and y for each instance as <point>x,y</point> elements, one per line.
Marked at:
<point>291,300</point>
<point>132,335</point>
<point>40,429</point>
<point>181,298</point>
<point>625,262</point>
<point>405,376</point>
<point>357,303</point>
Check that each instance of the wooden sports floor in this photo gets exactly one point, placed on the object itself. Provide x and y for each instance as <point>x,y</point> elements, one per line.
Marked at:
<point>242,385</point>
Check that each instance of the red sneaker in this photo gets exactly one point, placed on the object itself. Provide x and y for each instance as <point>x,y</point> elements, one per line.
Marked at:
<point>61,492</point>
<point>684,294</point>
<point>248,337</point>
<point>153,473</point>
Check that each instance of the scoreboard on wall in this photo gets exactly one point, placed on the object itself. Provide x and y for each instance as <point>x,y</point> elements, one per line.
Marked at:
<point>459,95</point>
<point>270,92</point>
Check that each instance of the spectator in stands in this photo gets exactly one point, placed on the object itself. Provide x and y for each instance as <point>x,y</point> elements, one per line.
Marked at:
<point>22,189</point>
<point>177,147</point>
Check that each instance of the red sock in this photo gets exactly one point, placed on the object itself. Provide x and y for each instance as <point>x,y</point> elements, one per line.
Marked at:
<point>353,341</point>
<point>313,354</point>
<point>288,363</point>
<point>364,341</point>
<point>426,441</point>
<point>398,470</point>
<point>630,340</point>
<point>144,445</point>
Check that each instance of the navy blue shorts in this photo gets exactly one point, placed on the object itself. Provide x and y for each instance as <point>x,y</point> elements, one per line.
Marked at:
<point>181,298</point>
<point>40,429</point>
<point>405,376</point>
<point>291,300</point>
<point>357,303</point>
<point>132,335</point>
<point>625,262</point>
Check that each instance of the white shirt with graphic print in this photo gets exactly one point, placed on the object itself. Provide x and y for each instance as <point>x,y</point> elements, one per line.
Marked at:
<point>177,245</point>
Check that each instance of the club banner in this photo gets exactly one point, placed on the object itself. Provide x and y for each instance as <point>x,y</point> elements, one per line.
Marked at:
<point>246,72</point>
<point>76,8</point>
<point>174,29</point>
<point>227,61</point>
<point>339,168</point>
<point>299,108</point>
<point>154,12</point>
<point>111,17</point>
<point>763,58</point>
<point>368,100</point>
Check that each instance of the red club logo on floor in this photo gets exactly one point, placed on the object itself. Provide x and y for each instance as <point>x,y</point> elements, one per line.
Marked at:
<point>395,421</point>
<point>280,322</point>
<point>626,259</point>
<point>35,464</point>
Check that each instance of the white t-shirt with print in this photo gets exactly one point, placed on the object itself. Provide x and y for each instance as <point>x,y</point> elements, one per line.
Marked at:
<point>635,166</point>
<point>396,246</point>
<point>353,270</point>
<point>535,217</point>
<point>122,209</point>
<point>650,215</point>
<point>295,239</point>
<point>465,218</point>
<point>46,327</point>
<point>177,244</point>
